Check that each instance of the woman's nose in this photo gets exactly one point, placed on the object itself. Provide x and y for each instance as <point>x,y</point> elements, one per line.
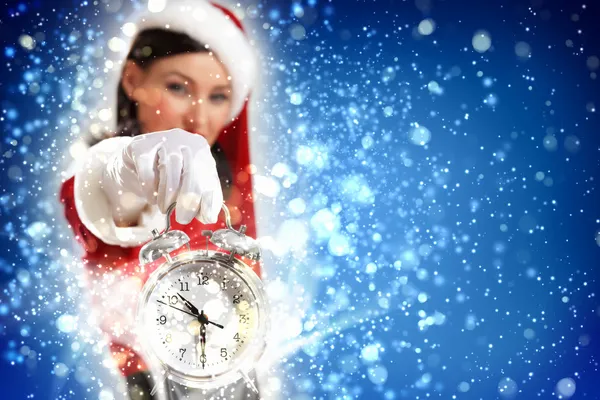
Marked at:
<point>198,114</point>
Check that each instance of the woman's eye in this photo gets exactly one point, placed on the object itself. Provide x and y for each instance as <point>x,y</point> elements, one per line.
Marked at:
<point>219,97</point>
<point>176,88</point>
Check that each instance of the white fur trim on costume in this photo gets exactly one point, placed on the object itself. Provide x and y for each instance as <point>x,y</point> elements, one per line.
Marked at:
<point>93,206</point>
<point>209,25</point>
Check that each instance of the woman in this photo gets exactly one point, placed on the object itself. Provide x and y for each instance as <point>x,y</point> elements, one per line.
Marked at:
<point>181,135</point>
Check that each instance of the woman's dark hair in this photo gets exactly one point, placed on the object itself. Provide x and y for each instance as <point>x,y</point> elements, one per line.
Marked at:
<point>151,45</point>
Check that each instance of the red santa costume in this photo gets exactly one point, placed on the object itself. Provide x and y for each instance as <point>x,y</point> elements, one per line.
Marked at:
<point>111,252</point>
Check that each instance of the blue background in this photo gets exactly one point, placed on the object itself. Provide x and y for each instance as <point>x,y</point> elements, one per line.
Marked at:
<point>463,267</point>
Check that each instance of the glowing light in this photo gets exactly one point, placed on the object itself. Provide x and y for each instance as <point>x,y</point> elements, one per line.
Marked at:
<point>378,374</point>
<point>550,143</point>
<point>66,323</point>
<point>507,388</point>
<point>304,155</point>
<point>435,88</point>
<point>156,6</point>
<point>481,41</point>
<point>523,50</point>
<point>370,353</point>
<point>296,99</point>
<point>129,29</point>
<point>116,44</point>
<point>297,206</point>
<point>420,135</point>
<point>297,32</point>
<point>339,245</point>
<point>61,370</point>
<point>266,186</point>
<point>105,114</point>
<point>27,42</point>
<point>77,150</point>
<point>426,27</point>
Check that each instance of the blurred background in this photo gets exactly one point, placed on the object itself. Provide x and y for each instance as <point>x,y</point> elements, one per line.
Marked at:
<point>427,180</point>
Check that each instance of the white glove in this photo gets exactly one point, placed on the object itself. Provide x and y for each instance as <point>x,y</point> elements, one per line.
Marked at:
<point>161,168</point>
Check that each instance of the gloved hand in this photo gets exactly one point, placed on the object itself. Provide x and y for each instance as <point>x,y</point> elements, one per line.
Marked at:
<point>160,168</point>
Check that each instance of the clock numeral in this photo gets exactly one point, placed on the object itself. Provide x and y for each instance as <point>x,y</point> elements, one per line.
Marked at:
<point>236,337</point>
<point>223,352</point>
<point>244,319</point>
<point>173,299</point>
<point>168,338</point>
<point>203,280</point>
<point>224,284</point>
<point>184,287</point>
<point>236,298</point>
<point>182,351</point>
<point>162,319</point>
<point>203,359</point>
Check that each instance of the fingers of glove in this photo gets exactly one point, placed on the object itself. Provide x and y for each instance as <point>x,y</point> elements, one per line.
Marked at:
<point>210,189</point>
<point>170,165</point>
<point>144,163</point>
<point>197,143</point>
<point>212,201</point>
<point>188,201</point>
<point>218,202</point>
<point>204,215</point>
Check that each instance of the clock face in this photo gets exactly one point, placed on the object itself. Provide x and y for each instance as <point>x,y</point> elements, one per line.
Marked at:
<point>200,317</point>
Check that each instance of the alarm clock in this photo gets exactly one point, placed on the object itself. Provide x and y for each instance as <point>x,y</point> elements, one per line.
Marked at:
<point>202,315</point>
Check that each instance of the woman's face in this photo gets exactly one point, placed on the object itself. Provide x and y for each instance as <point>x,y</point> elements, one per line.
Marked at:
<point>188,91</point>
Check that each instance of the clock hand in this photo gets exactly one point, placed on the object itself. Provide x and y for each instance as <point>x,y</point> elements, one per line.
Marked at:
<point>193,309</point>
<point>203,340</point>
<point>215,324</point>
<point>178,309</point>
<point>188,304</point>
<point>203,318</point>
<point>198,358</point>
